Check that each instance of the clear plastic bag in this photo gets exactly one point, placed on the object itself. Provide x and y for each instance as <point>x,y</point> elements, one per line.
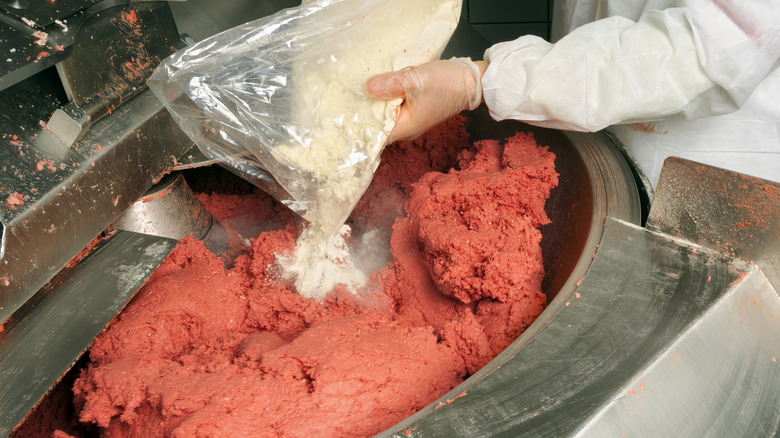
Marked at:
<point>280,100</point>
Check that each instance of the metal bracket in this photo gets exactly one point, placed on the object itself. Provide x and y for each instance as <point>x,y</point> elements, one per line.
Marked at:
<point>129,41</point>
<point>69,124</point>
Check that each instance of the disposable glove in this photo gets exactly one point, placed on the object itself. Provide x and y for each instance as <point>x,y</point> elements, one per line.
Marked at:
<point>431,93</point>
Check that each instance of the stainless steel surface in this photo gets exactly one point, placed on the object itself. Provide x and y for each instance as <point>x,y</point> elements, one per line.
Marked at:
<point>71,194</point>
<point>45,337</point>
<point>43,33</point>
<point>643,184</point>
<point>43,13</point>
<point>92,184</point>
<point>68,124</point>
<point>129,41</point>
<point>203,18</point>
<point>665,339</point>
<point>169,209</point>
<point>28,50</point>
<point>732,213</point>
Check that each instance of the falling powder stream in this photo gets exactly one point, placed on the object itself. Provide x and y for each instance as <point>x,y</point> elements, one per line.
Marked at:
<point>345,148</point>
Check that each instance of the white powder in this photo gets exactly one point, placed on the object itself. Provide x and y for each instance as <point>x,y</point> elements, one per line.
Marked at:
<point>318,265</point>
<point>62,25</point>
<point>340,152</point>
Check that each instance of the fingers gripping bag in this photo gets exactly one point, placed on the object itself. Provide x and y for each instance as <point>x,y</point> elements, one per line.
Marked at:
<point>280,101</point>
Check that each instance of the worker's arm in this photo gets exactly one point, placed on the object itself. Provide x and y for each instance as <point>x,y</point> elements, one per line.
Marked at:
<point>690,62</point>
<point>702,59</point>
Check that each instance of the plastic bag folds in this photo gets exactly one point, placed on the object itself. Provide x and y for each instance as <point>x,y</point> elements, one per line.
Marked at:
<point>280,100</point>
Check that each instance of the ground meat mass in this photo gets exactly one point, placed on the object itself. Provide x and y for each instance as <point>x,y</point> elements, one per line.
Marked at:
<point>205,350</point>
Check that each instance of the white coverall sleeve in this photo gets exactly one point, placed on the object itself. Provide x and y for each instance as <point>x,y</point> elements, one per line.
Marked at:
<point>685,62</point>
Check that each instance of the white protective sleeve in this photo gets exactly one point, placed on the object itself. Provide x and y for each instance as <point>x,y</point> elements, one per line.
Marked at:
<point>700,58</point>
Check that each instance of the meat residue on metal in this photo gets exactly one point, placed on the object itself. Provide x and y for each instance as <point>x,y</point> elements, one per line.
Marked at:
<point>45,164</point>
<point>140,66</point>
<point>136,68</point>
<point>647,128</point>
<point>14,200</point>
<point>130,17</point>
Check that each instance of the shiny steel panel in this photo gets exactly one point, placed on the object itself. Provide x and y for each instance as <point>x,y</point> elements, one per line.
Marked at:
<point>665,339</point>
<point>46,336</point>
<point>730,212</point>
<point>94,182</point>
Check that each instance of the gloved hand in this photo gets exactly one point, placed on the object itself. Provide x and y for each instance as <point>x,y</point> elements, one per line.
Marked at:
<point>431,93</point>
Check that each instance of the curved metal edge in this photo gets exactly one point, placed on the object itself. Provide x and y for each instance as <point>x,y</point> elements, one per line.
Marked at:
<point>614,196</point>
<point>169,209</point>
<point>193,158</point>
<point>2,240</point>
<point>646,191</point>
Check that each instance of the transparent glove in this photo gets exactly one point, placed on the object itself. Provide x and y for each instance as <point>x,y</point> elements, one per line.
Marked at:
<point>431,93</point>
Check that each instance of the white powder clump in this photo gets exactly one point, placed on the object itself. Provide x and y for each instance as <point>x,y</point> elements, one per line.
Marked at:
<point>346,130</point>
<point>62,25</point>
<point>320,265</point>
